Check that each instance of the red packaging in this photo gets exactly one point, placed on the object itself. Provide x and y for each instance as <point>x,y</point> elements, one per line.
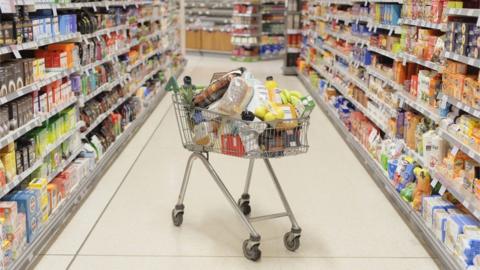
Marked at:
<point>232,145</point>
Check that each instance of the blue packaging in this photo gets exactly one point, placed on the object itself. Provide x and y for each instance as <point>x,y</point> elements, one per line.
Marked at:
<point>392,167</point>
<point>28,202</point>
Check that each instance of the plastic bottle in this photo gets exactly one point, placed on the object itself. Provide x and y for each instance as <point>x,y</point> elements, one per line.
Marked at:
<point>270,84</point>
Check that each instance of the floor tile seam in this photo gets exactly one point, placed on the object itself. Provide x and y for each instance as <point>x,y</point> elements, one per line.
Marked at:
<point>120,185</point>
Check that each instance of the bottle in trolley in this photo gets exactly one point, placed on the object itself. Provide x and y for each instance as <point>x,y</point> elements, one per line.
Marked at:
<point>238,115</point>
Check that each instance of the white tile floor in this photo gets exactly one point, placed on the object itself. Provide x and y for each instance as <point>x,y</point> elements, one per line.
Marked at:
<point>125,223</point>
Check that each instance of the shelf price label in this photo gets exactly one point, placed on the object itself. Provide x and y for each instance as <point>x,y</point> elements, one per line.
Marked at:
<point>15,51</point>
<point>442,190</point>
<point>454,150</point>
<point>444,102</point>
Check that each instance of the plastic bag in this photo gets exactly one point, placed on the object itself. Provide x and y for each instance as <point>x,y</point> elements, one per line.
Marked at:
<point>235,100</point>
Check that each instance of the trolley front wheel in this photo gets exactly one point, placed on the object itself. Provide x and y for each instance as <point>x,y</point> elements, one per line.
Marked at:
<point>251,251</point>
<point>177,218</point>
<point>291,241</point>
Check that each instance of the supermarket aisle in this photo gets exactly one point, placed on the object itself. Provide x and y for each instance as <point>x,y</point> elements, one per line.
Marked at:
<point>125,224</point>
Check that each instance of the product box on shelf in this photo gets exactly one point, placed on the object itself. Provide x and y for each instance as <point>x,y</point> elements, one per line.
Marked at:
<point>28,202</point>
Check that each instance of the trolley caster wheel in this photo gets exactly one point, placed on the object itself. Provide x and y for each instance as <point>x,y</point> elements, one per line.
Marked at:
<point>251,250</point>
<point>291,241</point>
<point>177,217</point>
<point>245,207</point>
<point>244,204</point>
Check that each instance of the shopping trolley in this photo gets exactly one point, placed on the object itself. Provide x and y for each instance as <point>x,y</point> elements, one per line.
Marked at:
<point>243,139</point>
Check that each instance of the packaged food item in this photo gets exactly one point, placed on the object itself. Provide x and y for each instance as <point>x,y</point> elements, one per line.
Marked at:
<point>203,133</point>
<point>216,89</point>
<point>235,99</point>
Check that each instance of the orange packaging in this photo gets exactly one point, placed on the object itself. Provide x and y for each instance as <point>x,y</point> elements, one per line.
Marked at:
<point>66,48</point>
<point>455,67</point>
<point>400,72</point>
<point>470,88</point>
<point>53,196</point>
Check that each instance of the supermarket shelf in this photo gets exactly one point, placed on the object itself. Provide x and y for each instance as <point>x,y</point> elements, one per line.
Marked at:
<point>104,115</point>
<point>374,72</point>
<point>411,217</point>
<point>106,4</point>
<point>336,52</point>
<point>468,199</point>
<point>148,19</point>
<point>64,164</point>
<point>336,2</point>
<point>245,14</point>
<point>462,106</point>
<point>468,12</point>
<point>348,37</point>
<point>109,58</point>
<point>460,58</point>
<point>35,44</point>
<point>391,28</point>
<point>249,3</point>
<point>427,111</point>
<point>122,100</point>
<point>19,132</point>
<point>40,160</point>
<point>106,31</point>
<point>320,18</point>
<point>73,201</point>
<point>317,47</point>
<point>145,59</point>
<point>293,31</point>
<point>58,108</point>
<point>105,87</point>
<point>245,35</point>
<point>239,25</point>
<point>458,143</point>
<point>344,91</point>
<point>51,77</point>
<point>362,85</point>
<point>424,24</point>
<point>384,52</point>
<point>431,65</point>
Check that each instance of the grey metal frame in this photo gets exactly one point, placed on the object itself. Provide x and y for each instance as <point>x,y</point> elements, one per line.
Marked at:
<point>247,221</point>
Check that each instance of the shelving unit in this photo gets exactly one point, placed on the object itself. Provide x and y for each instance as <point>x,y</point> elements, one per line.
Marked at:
<point>209,24</point>
<point>411,217</point>
<point>246,31</point>
<point>329,67</point>
<point>272,40</point>
<point>293,36</point>
<point>157,52</point>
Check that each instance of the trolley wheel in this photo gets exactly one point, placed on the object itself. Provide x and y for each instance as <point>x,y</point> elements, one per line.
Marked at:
<point>291,241</point>
<point>177,218</point>
<point>245,207</point>
<point>253,253</point>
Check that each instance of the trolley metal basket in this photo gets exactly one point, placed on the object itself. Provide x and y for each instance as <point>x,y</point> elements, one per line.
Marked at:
<point>204,131</point>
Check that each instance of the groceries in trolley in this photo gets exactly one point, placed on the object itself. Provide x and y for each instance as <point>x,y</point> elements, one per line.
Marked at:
<point>238,115</point>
